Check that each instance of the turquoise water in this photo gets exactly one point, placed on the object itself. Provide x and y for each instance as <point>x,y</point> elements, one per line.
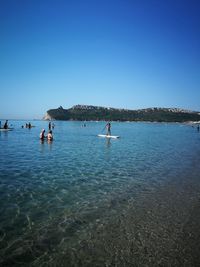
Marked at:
<point>52,194</point>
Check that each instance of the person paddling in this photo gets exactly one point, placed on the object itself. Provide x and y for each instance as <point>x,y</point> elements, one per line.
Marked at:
<point>108,126</point>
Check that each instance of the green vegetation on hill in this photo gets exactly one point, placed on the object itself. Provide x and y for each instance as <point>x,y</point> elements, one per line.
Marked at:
<point>86,113</point>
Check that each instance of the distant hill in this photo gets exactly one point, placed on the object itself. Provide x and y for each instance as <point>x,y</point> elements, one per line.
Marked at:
<point>87,113</point>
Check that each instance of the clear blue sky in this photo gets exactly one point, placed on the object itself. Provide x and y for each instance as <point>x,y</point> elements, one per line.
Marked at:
<point>118,53</point>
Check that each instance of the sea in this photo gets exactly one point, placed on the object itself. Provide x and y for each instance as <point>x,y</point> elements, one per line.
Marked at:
<point>62,203</point>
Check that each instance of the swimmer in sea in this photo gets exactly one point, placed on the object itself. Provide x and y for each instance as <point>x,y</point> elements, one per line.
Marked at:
<point>42,136</point>
<point>50,136</point>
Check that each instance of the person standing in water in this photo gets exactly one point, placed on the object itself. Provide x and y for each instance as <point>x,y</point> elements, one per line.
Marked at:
<point>50,136</point>
<point>49,126</point>
<point>108,126</point>
<point>42,136</point>
<point>6,125</point>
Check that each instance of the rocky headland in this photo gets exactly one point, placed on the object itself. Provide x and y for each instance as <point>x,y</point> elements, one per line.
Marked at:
<point>96,113</point>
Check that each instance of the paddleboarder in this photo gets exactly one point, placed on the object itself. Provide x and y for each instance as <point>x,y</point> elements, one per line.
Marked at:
<point>108,126</point>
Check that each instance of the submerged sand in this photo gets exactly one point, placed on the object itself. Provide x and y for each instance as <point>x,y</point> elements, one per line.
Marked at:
<point>160,227</point>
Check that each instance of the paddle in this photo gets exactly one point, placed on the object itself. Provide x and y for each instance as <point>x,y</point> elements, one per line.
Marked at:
<point>105,126</point>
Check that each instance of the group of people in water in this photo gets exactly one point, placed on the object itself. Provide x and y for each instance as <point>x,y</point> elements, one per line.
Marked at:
<point>51,126</point>
<point>28,125</point>
<point>49,136</point>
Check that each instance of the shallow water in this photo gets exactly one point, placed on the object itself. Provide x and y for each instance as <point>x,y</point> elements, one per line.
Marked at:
<point>53,195</point>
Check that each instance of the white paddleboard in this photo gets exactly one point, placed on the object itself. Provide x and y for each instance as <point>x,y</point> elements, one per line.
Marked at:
<point>108,136</point>
<point>5,130</point>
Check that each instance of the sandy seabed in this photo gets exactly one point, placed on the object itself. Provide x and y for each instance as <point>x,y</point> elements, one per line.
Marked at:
<point>160,227</point>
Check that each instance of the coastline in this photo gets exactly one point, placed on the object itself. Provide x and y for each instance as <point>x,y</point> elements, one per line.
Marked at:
<point>96,113</point>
